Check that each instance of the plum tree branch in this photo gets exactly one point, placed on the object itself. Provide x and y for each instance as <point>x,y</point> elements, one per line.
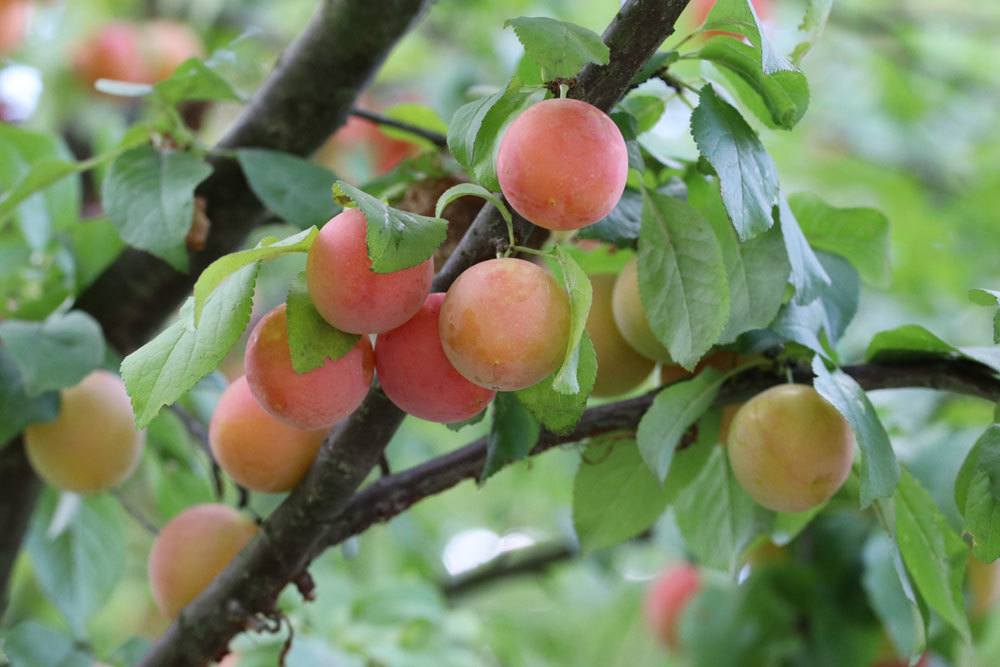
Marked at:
<point>435,138</point>
<point>294,532</point>
<point>394,494</point>
<point>535,559</point>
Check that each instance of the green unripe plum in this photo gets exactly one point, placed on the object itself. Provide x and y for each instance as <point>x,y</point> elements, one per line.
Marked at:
<point>619,367</point>
<point>317,399</point>
<point>416,375</point>
<point>790,449</point>
<point>345,290</point>
<point>666,600</point>
<point>255,448</point>
<point>192,549</point>
<point>562,164</point>
<point>93,444</point>
<point>504,324</point>
<point>630,315</point>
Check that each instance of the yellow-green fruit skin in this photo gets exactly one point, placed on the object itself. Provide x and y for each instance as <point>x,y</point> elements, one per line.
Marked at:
<point>619,367</point>
<point>630,315</point>
<point>789,448</point>
<point>93,444</point>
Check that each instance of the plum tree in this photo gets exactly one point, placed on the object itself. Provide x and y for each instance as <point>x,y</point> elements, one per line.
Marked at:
<point>93,444</point>
<point>619,367</point>
<point>416,375</point>
<point>630,315</point>
<point>562,164</point>
<point>317,399</point>
<point>504,324</point>
<point>345,290</point>
<point>666,599</point>
<point>789,448</point>
<point>144,53</point>
<point>192,549</point>
<point>14,18</point>
<point>256,449</point>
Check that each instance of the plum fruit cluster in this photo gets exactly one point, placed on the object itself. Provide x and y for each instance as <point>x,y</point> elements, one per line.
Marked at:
<point>135,52</point>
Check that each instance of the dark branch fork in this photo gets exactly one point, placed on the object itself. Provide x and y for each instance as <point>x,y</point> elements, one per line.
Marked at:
<point>294,532</point>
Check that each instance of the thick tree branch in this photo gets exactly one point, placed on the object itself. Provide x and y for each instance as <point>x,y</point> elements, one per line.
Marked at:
<point>394,494</point>
<point>306,98</point>
<point>20,487</point>
<point>294,532</point>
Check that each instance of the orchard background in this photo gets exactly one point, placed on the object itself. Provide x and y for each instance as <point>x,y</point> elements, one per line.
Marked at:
<point>812,190</point>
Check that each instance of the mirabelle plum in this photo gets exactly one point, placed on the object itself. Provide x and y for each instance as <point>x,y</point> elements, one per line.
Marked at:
<point>93,444</point>
<point>416,375</point>
<point>168,44</point>
<point>257,450</point>
<point>504,324</point>
<point>619,367</point>
<point>666,600</point>
<point>317,399</point>
<point>562,164</point>
<point>14,18</point>
<point>790,449</point>
<point>345,290</point>
<point>192,549</point>
<point>115,51</point>
<point>630,315</point>
<point>984,586</point>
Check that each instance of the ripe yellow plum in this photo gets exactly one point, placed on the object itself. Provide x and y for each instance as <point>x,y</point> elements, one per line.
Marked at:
<point>619,367</point>
<point>630,315</point>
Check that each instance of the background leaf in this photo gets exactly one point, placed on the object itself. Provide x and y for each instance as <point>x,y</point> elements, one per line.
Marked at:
<point>513,434</point>
<point>56,353</point>
<point>295,189</point>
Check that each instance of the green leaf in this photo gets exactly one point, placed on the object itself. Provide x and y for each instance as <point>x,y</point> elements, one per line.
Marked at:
<point>817,13</point>
<point>475,131</point>
<point>17,407</point>
<point>879,468</point>
<point>30,161</point>
<point>149,196</point>
<point>682,278</point>
<point>269,248</point>
<point>787,525</point>
<point>717,518</point>
<point>32,644</point>
<point>162,370</point>
<point>988,297</point>
<point>615,496</point>
<point>912,341</point>
<point>95,245</point>
<point>471,190</point>
<point>311,339</point>
<point>891,598</point>
<point>512,436</point>
<point>559,412</point>
<point>396,239</point>
<point>778,99</point>
<point>672,412</point>
<point>645,109</point>
<point>296,190</point>
<point>738,16</point>
<point>757,270</point>
<point>56,353</point>
<point>621,226</point>
<point>861,235</point>
<point>580,293</point>
<point>78,562</point>
<point>808,276</point>
<point>977,494</point>
<point>561,49</point>
<point>746,172</point>
<point>934,555</point>
<point>195,79</point>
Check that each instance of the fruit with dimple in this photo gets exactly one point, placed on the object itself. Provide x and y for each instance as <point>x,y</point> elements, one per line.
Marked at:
<point>256,449</point>
<point>415,374</point>
<point>312,400</point>
<point>345,289</point>
<point>666,600</point>
<point>192,549</point>
<point>789,448</point>
<point>619,367</point>
<point>93,444</point>
<point>630,315</point>
<point>562,164</point>
<point>505,324</point>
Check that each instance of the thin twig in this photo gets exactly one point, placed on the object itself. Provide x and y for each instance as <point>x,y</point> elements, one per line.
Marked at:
<point>135,512</point>
<point>535,559</point>
<point>198,431</point>
<point>436,138</point>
